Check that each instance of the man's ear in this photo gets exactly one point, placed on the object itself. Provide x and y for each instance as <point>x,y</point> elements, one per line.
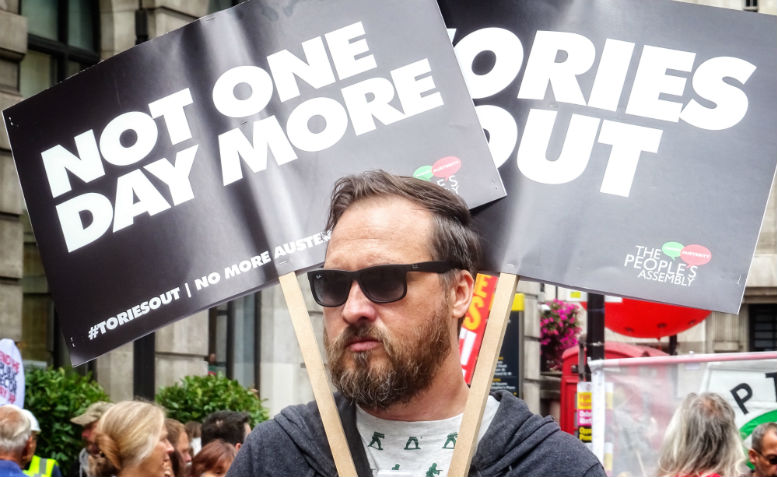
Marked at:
<point>751,454</point>
<point>463,286</point>
<point>28,451</point>
<point>238,445</point>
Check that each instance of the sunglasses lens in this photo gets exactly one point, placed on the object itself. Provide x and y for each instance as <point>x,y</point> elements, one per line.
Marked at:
<point>383,284</point>
<point>330,287</point>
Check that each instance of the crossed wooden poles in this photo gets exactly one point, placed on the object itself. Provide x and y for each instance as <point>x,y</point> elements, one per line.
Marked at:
<point>479,389</point>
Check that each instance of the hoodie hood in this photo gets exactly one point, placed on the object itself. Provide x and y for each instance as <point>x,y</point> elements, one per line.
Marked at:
<point>521,443</point>
<point>514,434</point>
<point>302,423</point>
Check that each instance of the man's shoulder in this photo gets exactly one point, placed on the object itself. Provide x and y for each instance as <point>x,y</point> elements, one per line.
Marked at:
<point>291,443</point>
<point>519,442</point>
<point>302,422</point>
<point>291,420</point>
<point>10,468</point>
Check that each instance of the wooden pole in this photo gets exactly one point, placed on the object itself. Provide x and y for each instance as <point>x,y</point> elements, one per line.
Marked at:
<point>493,336</point>
<point>308,344</point>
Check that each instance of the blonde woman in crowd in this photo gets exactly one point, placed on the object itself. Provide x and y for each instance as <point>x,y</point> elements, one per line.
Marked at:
<point>132,441</point>
<point>702,440</point>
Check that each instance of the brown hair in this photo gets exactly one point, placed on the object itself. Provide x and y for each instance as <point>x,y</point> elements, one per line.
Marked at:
<point>126,434</point>
<point>454,239</point>
<point>174,430</point>
<point>193,429</point>
<point>216,456</point>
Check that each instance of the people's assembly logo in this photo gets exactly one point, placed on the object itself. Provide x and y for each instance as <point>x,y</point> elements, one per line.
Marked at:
<point>661,264</point>
<point>442,172</point>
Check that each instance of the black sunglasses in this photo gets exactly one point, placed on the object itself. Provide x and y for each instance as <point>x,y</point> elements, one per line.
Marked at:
<point>772,460</point>
<point>381,283</point>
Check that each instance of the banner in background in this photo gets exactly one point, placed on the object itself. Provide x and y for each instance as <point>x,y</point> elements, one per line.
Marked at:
<point>11,374</point>
<point>634,399</point>
<point>638,153</point>
<point>197,167</point>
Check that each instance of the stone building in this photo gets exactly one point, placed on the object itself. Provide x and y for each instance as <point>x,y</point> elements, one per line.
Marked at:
<point>43,42</point>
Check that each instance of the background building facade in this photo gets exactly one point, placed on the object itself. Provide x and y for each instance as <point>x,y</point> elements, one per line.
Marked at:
<point>250,339</point>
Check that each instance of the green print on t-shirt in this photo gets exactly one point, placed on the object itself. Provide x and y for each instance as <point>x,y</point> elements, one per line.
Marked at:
<point>414,441</point>
<point>376,437</point>
<point>451,440</point>
<point>432,472</point>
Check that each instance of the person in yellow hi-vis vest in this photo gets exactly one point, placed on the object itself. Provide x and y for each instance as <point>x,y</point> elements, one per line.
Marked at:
<point>38,466</point>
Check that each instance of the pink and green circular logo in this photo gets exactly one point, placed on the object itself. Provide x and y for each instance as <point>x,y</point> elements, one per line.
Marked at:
<point>693,254</point>
<point>443,168</point>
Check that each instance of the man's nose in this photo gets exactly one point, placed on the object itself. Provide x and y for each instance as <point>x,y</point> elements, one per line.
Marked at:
<point>357,306</point>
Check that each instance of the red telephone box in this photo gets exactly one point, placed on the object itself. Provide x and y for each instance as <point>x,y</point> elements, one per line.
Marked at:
<point>569,379</point>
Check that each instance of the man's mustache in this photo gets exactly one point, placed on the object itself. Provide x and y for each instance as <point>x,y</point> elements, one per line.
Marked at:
<point>353,334</point>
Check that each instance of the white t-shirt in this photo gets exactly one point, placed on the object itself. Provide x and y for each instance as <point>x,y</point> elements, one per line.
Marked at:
<point>417,449</point>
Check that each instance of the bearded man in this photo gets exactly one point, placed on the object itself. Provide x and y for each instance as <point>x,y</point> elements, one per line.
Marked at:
<point>396,282</point>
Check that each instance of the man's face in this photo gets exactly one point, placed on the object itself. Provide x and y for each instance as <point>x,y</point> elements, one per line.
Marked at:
<point>184,448</point>
<point>768,452</point>
<point>87,435</point>
<point>381,354</point>
<point>32,445</point>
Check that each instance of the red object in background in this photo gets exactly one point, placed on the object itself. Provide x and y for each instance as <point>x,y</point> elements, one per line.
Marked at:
<point>569,379</point>
<point>474,325</point>
<point>644,319</point>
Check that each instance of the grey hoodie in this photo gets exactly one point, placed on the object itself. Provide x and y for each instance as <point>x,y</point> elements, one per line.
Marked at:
<point>518,443</point>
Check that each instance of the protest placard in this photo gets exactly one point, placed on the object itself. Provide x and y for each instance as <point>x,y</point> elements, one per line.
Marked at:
<point>634,140</point>
<point>11,374</point>
<point>196,167</point>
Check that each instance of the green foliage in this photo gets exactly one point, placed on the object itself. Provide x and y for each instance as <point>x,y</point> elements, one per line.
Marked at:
<point>55,396</point>
<point>194,397</point>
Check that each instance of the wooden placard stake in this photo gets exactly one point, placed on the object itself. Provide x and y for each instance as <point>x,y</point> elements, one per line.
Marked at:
<point>493,336</point>
<point>308,344</point>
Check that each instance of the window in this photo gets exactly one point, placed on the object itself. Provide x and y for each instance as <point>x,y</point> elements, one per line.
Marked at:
<point>62,40</point>
<point>751,6</point>
<point>763,327</point>
<point>234,339</point>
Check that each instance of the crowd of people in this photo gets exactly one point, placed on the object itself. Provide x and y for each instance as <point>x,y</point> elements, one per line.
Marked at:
<point>133,438</point>
<point>128,438</point>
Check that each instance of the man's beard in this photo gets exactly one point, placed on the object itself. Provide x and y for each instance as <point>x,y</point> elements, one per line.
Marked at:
<point>409,367</point>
